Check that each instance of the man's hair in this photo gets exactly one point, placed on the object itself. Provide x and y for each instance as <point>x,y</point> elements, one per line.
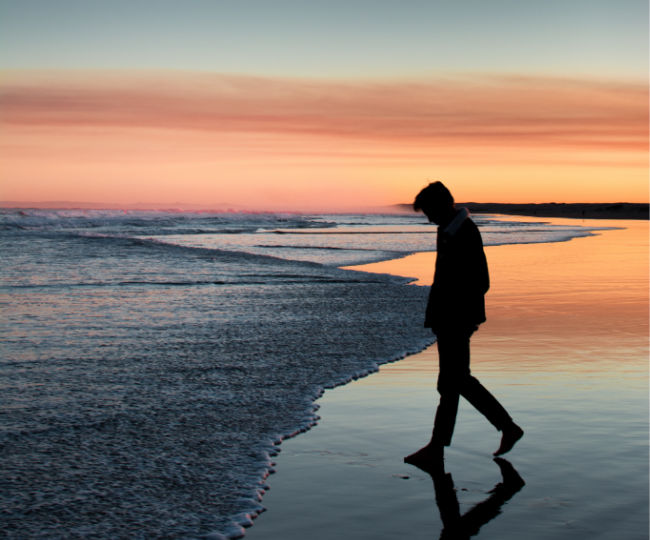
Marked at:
<point>435,193</point>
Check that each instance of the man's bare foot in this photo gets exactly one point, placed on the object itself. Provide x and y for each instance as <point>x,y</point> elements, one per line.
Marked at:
<point>509,437</point>
<point>430,452</point>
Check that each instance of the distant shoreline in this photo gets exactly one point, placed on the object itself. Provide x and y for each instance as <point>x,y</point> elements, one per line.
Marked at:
<point>562,210</point>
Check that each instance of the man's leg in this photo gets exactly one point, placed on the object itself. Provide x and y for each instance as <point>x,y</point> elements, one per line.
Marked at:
<point>485,403</point>
<point>454,379</point>
<point>490,407</point>
<point>453,355</point>
<point>445,420</point>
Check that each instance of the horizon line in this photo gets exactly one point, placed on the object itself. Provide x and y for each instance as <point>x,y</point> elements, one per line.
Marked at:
<point>229,207</point>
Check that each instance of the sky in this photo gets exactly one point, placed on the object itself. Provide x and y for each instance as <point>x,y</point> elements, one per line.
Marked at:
<point>322,104</point>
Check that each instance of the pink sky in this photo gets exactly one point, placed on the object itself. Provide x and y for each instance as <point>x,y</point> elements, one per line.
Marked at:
<point>292,143</point>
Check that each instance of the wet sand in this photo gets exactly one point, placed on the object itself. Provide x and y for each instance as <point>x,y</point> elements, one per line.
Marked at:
<point>565,349</point>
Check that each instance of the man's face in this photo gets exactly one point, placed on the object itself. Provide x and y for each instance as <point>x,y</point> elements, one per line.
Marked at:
<point>436,213</point>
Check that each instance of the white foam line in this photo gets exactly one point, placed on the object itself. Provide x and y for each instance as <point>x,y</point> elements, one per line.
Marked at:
<point>271,448</point>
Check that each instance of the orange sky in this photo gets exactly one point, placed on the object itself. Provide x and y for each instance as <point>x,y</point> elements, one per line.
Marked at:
<point>291,143</point>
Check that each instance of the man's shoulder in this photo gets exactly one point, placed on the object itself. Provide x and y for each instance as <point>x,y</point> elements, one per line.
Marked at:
<point>469,233</point>
<point>468,226</point>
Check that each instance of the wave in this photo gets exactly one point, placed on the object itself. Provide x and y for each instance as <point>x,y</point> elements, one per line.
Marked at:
<point>325,248</point>
<point>263,280</point>
<point>156,221</point>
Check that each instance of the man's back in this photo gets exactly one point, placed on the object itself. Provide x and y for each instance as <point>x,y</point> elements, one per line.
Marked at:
<point>461,277</point>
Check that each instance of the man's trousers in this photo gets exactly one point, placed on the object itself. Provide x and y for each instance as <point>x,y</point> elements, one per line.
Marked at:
<point>455,380</point>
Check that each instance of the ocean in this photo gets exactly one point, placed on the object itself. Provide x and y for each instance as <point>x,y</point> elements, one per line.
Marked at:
<point>152,362</point>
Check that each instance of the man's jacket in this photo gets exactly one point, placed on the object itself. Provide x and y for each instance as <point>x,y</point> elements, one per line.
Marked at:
<point>457,297</point>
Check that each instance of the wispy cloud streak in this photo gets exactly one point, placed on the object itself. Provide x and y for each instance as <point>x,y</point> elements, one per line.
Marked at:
<point>477,110</point>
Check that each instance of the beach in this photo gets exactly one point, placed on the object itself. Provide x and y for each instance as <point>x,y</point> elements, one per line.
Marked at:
<point>565,349</point>
<point>152,364</point>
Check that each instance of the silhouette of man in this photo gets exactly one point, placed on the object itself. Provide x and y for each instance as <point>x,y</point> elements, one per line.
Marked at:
<point>455,309</point>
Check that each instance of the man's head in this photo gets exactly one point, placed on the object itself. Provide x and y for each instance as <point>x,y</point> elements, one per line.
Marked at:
<point>436,202</point>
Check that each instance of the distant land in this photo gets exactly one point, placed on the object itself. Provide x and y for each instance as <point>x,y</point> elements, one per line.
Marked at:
<point>566,210</point>
<point>619,210</point>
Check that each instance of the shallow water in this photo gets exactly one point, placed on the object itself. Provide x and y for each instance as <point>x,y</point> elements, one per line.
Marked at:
<point>565,349</point>
<point>144,384</point>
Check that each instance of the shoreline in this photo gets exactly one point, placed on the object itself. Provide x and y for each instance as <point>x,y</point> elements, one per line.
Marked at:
<point>332,446</point>
<point>622,211</point>
<point>619,211</point>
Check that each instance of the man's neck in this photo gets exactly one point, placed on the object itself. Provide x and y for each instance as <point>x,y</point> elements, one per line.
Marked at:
<point>459,217</point>
<point>448,218</point>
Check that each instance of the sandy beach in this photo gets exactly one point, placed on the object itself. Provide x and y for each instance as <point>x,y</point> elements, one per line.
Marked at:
<point>565,349</point>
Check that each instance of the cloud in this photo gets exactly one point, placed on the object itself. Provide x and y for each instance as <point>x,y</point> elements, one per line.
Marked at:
<point>471,110</point>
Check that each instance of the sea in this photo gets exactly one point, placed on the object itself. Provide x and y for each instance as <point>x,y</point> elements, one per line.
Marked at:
<point>151,362</point>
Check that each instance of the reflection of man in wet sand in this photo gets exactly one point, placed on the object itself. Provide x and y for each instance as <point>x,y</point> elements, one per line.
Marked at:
<point>455,308</point>
<point>460,527</point>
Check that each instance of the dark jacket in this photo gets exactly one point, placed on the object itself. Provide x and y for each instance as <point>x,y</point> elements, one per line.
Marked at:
<point>457,296</point>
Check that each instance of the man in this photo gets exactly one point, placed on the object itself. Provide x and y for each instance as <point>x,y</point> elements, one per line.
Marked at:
<point>455,309</point>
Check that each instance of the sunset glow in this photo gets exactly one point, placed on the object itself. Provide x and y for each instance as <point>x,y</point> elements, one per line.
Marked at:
<point>270,141</point>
